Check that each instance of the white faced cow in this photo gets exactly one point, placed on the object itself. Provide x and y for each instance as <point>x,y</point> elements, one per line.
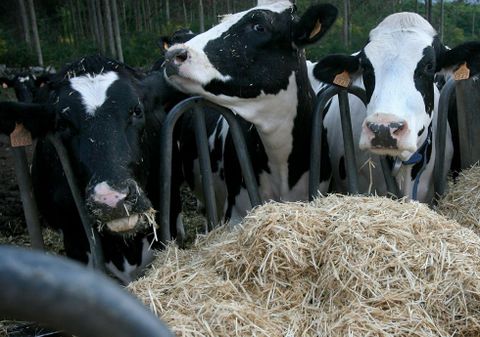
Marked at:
<point>253,63</point>
<point>397,68</point>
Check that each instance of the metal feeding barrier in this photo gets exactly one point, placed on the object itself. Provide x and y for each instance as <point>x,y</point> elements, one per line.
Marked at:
<point>470,154</point>
<point>65,295</point>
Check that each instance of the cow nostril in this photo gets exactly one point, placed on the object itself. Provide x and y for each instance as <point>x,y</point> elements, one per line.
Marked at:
<point>397,128</point>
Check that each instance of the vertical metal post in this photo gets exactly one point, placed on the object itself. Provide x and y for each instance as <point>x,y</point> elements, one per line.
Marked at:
<point>350,158</point>
<point>90,231</point>
<point>440,138</point>
<point>205,166</point>
<point>30,208</point>
<point>392,186</point>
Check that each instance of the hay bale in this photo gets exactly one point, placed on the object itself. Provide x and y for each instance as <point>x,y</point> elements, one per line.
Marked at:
<point>338,266</point>
<point>462,202</point>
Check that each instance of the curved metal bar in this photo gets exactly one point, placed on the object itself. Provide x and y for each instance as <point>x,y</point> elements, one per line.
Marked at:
<point>392,186</point>
<point>65,295</point>
<point>166,158</point>
<point>90,231</point>
<point>350,158</point>
<point>317,130</point>
<point>440,138</point>
<point>30,208</point>
<point>201,138</point>
<point>242,153</point>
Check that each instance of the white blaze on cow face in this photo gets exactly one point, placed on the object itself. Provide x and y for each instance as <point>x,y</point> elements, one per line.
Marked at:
<point>93,89</point>
<point>401,103</point>
<point>104,194</point>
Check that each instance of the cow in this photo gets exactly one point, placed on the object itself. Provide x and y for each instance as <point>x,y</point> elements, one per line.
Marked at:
<point>253,63</point>
<point>108,117</point>
<point>25,85</point>
<point>396,68</point>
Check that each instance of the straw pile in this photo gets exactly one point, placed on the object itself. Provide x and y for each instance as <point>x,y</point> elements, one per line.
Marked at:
<point>462,202</point>
<point>340,266</point>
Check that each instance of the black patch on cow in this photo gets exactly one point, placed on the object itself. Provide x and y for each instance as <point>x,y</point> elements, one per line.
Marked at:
<point>341,168</point>
<point>421,132</point>
<point>368,75</point>
<point>248,51</point>
<point>330,66</point>
<point>424,78</point>
<point>468,52</point>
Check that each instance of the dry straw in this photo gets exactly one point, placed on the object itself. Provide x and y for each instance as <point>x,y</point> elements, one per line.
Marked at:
<point>339,266</point>
<point>462,202</point>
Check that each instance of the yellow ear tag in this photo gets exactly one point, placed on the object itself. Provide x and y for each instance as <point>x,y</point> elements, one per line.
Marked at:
<point>462,73</point>
<point>20,136</point>
<point>4,85</point>
<point>342,79</point>
<point>165,46</point>
<point>316,30</point>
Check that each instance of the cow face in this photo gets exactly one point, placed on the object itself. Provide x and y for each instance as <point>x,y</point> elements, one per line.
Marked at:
<point>24,84</point>
<point>248,55</point>
<point>397,67</point>
<point>98,109</point>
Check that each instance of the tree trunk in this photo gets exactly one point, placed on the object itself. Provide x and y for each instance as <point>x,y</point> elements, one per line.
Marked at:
<point>473,23</point>
<point>36,37</point>
<point>442,20</point>
<point>201,16</point>
<point>185,13</point>
<point>108,23</point>
<point>346,23</point>
<point>25,22</point>
<point>229,6</point>
<point>428,10</point>
<point>215,14</point>
<point>101,29</point>
<point>416,6</point>
<point>167,11</point>
<point>93,21</point>
<point>116,30</point>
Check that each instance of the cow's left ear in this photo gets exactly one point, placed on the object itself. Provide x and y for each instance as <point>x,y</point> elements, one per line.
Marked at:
<point>5,82</point>
<point>467,54</point>
<point>337,69</point>
<point>38,119</point>
<point>313,24</point>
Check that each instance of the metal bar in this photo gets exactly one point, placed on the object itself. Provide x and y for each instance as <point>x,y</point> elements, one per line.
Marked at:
<point>351,163</point>
<point>392,186</point>
<point>65,295</point>
<point>242,153</point>
<point>30,208</point>
<point>165,170</point>
<point>201,138</point>
<point>440,138</point>
<point>90,231</point>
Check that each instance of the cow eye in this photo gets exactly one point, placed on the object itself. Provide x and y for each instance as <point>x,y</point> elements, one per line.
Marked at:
<point>137,111</point>
<point>258,28</point>
<point>429,68</point>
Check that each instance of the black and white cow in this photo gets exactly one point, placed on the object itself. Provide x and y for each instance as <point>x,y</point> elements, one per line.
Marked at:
<point>106,115</point>
<point>397,68</point>
<point>25,85</point>
<point>253,63</point>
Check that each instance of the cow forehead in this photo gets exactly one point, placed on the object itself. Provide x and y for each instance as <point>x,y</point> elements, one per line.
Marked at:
<point>199,41</point>
<point>93,89</point>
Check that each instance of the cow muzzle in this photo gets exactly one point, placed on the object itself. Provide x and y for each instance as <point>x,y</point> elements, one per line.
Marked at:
<point>386,134</point>
<point>120,208</point>
<point>174,58</point>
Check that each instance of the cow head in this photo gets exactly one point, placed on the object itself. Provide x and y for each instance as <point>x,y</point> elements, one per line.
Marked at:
<point>249,55</point>
<point>99,109</point>
<point>397,67</point>
<point>24,84</point>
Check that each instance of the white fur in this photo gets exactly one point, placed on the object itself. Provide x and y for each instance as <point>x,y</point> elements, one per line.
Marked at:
<point>93,89</point>
<point>132,272</point>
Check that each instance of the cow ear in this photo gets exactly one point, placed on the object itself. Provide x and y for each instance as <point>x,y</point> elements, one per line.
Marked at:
<point>39,119</point>
<point>42,80</point>
<point>313,24</point>
<point>5,82</point>
<point>164,43</point>
<point>337,69</point>
<point>464,58</point>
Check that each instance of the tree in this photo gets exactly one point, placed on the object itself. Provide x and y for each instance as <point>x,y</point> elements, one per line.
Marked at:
<point>116,31</point>
<point>347,24</point>
<point>109,24</point>
<point>201,16</point>
<point>25,24</point>
<point>36,37</point>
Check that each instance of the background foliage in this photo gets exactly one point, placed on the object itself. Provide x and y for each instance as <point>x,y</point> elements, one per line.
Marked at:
<point>65,28</point>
